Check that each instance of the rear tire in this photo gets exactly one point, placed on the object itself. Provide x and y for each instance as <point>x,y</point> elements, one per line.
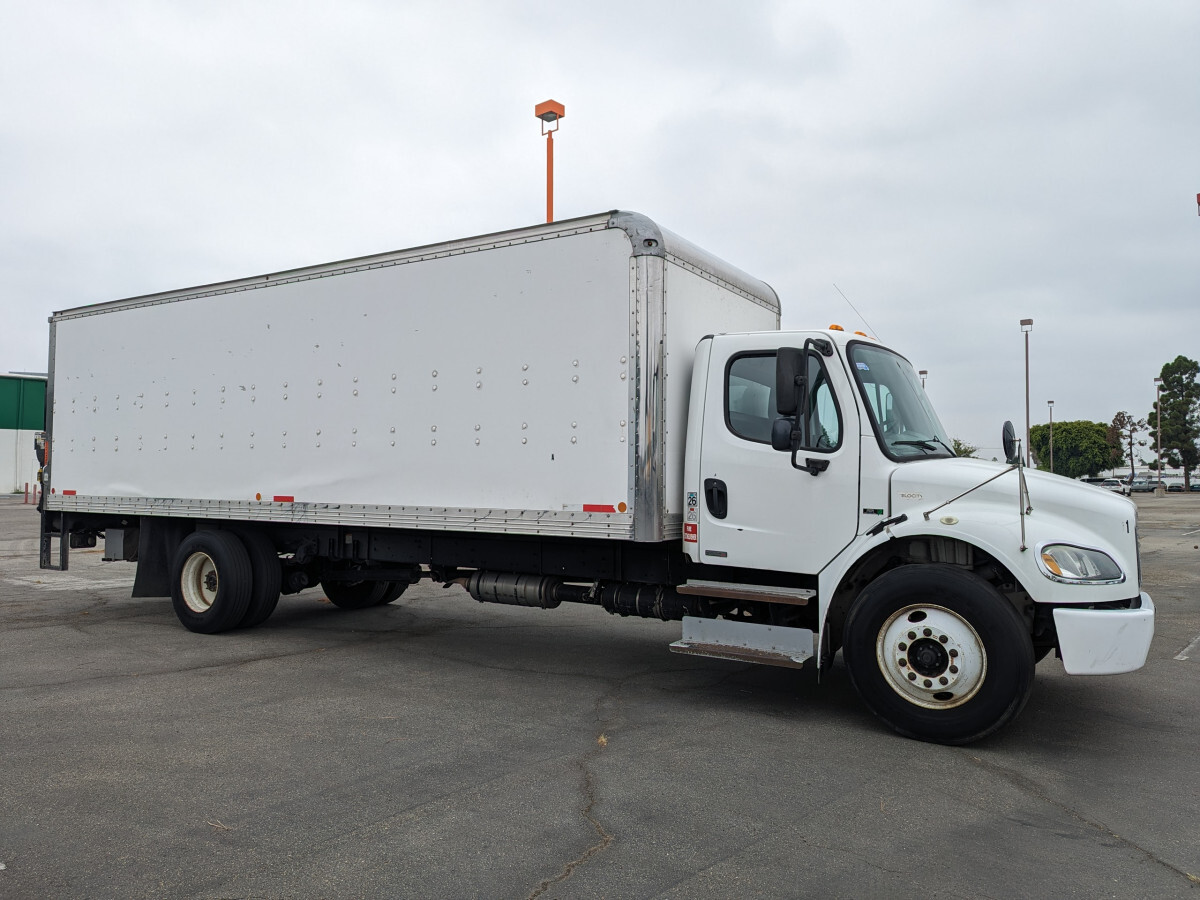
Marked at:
<point>394,590</point>
<point>938,654</point>
<point>267,578</point>
<point>211,580</point>
<point>354,594</point>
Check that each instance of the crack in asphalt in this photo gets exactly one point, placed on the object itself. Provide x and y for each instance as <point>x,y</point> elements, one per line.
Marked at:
<point>1029,786</point>
<point>605,724</point>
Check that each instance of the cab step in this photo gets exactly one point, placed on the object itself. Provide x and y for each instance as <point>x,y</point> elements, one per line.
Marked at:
<point>771,645</point>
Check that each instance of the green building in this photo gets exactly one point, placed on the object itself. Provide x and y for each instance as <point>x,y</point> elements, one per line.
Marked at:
<point>22,412</point>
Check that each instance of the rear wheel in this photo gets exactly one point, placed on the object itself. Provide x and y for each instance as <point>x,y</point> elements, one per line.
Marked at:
<point>267,578</point>
<point>394,590</point>
<point>355,594</point>
<point>211,581</point>
<point>938,654</point>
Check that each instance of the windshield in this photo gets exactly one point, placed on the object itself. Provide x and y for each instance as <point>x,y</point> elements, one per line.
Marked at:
<point>901,414</point>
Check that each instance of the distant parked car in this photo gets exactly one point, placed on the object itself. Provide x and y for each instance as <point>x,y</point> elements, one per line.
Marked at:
<point>1143,486</point>
<point>1196,486</point>
<point>1111,484</point>
<point>1175,488</point>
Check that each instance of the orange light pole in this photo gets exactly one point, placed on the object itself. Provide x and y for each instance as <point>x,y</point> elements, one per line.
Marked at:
<point>550,112</point>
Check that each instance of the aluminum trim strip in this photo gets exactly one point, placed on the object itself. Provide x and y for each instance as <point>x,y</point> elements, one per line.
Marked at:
<point>497,521</point>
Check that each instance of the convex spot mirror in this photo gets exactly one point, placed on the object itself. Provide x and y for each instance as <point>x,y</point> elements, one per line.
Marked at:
<point>782,431</point>
<point>1008,438</point>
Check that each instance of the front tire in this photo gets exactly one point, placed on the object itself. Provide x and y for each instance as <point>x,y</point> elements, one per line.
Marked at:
<point>211,581</point>
<point>938,654</point>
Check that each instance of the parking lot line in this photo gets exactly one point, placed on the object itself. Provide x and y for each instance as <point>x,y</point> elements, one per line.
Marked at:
<point>1184,653</point>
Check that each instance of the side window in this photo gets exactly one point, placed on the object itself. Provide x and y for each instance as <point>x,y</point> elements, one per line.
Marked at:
<point>750,396</point>
<point>750,407</point>
<point>825,421</point>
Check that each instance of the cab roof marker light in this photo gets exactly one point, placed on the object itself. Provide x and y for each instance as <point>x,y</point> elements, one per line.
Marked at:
<point>836,328</point>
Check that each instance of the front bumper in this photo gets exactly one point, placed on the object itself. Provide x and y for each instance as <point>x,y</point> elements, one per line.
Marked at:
<point>1105,641</point>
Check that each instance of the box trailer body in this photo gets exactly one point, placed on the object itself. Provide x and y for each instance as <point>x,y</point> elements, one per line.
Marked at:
<point>590,411</point>
<point>534,382</point>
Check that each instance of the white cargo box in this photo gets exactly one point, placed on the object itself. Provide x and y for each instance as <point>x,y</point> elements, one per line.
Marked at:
<point>533,381</point>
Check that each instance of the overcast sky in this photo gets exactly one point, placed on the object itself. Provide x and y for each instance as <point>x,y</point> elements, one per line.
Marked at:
<point>952,167</point>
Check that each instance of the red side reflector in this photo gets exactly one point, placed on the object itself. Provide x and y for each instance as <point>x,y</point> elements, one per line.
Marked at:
<point>596,507</point>
<point>282,499</point>
<point>68,493</point>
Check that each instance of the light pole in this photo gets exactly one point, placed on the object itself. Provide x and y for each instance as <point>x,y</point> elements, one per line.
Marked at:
<point>1050,403</point>
<point>924,373</point>
<point>550,112</point>
<point>1026,327</point>
<point>1158,433</point>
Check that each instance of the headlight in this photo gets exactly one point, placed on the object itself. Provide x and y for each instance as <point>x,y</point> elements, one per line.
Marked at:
<point>1077,565</point>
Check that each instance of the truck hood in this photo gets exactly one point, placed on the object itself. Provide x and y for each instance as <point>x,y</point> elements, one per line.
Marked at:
<point>926,484</point>
<point>1062,510</point>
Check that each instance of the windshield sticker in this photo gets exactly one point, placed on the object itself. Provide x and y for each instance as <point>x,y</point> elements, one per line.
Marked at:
<point>863,367</point>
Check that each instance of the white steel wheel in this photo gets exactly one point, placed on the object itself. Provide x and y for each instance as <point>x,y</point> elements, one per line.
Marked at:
<point>199,582</point>
<point>211,581</point>
<point>931,656</point>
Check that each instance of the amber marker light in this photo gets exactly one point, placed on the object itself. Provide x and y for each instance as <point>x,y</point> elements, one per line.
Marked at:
<point>836,328</point>
<point>550,112</point>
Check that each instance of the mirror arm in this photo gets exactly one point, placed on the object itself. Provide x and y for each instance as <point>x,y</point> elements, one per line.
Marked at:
<point>812,466</point>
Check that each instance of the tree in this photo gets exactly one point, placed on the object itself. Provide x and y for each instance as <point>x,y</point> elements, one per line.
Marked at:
<point>1179,404</point>
<point>1081,448</point>
<point>1123,439</point>
<point>962,448</point>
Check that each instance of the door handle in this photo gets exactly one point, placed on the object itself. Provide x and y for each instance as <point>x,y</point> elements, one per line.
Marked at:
<point>716,495</point>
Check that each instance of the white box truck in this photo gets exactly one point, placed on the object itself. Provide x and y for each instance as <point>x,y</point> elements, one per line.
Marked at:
<point>590,411</point>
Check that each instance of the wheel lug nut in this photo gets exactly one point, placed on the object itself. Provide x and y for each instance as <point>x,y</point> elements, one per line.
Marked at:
<point>928,632</point>
<point>928,683</point>
<point>912,635</point>
<point>944,680</point>
<point>954,653</point>
<point>912,676</point>
<point>954,670</point>
<point>902,663</point>
<point>944,639</point>
<point>903,646</point>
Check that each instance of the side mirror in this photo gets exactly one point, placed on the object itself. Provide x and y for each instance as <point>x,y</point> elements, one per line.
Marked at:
<point>1008,439</point>
<point>790,371</point>
<point>781,434</point>
<point>39,447</point>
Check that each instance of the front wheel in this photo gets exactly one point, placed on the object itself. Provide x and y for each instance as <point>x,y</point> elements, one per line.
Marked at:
<point>938,654</point>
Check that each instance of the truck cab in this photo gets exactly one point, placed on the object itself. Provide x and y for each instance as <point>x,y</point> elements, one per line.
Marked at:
<point>942,579</point>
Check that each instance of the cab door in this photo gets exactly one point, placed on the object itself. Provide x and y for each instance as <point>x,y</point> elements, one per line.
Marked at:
<point>756,510</point>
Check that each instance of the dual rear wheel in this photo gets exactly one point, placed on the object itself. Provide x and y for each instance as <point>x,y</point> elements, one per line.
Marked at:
<point>232,579</point>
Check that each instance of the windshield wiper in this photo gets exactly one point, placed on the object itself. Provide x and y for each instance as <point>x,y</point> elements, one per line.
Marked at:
<point>924,445</point>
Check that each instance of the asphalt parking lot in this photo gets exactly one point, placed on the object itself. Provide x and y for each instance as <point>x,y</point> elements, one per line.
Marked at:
<point>438,747</point>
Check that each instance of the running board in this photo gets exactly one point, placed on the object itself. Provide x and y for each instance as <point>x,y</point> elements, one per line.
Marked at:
<point>727,591</point>
<point>771,645</point>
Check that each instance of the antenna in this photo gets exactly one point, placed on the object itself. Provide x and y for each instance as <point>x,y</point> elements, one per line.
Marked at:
<point>856,312</point>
